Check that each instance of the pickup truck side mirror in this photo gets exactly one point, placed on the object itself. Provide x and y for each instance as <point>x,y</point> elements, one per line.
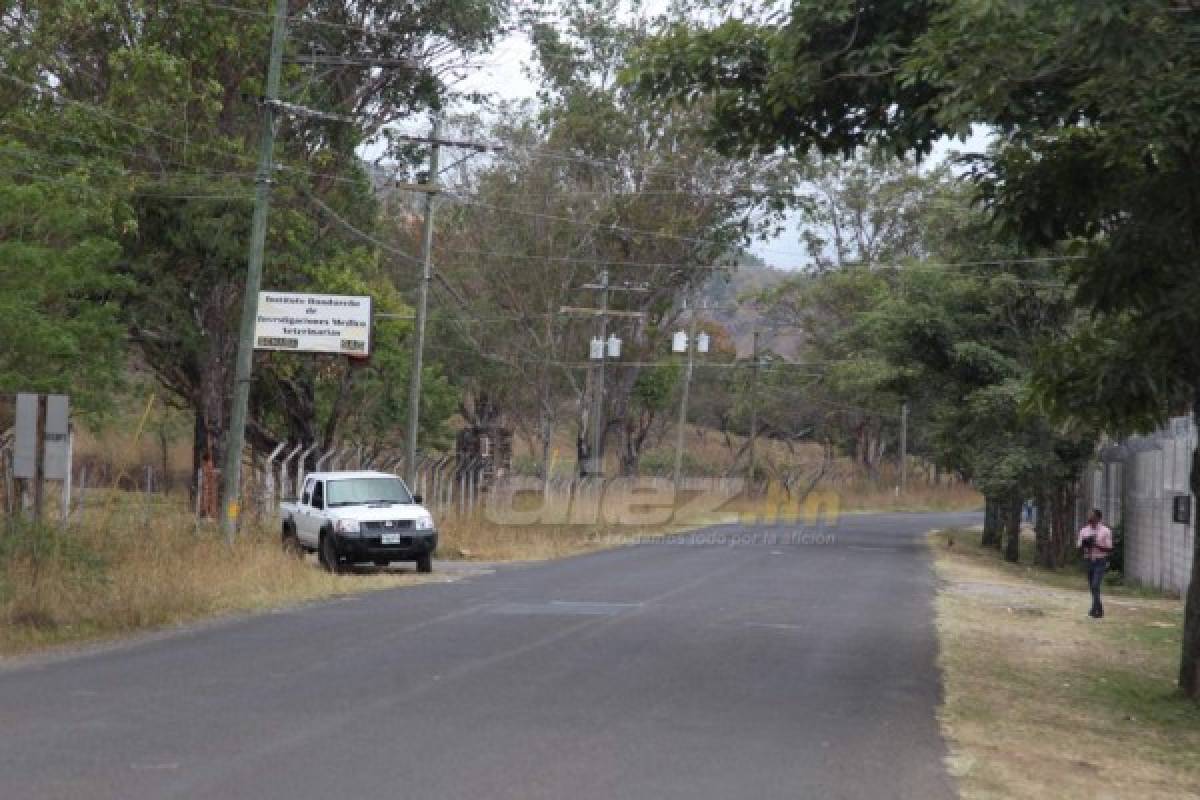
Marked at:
<point>418,499</point>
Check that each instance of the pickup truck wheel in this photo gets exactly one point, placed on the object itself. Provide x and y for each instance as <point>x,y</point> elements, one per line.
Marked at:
<point>327,554</point>
<point>291,544</point>
<point>425,563</point>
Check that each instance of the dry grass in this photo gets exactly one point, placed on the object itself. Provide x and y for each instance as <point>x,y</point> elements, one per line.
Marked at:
<point>1042,701</point>
<point>99,580</point>
<point>830,499</point>
<point>128,566</point>
<point>865,496</point>
<point>476,538</point>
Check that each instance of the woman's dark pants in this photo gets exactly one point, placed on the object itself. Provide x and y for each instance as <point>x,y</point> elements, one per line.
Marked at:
<point>1096,569</point>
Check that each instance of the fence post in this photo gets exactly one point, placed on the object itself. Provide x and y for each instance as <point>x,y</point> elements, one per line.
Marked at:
<point>66,487</point>
<point>269,469</point>
<point>283,469</point>
<point>80,503</point>
<point>300,468</point>
<point>200,489</point>
<point>10,501</point>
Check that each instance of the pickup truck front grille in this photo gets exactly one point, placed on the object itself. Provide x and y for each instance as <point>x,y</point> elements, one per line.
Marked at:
<point>386,526</point>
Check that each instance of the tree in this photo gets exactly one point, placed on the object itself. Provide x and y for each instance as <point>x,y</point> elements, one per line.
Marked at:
<point>870,209</point>
<point>592,181</point>
<point>1098,109</point>
<point>59,324</point>
<point>864,218</point>
<point>168,93</point>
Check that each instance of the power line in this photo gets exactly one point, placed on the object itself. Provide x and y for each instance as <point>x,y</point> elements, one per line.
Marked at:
<point>366,237</point>
<point>62,180</point>
<point>186,143</point>
<point>930,266</point>
<point>593,225</point>
<point>120,120</point>
<point>105,113</point>
<point>119,170</point>
<point>780,391</point>
<point>92,143</point>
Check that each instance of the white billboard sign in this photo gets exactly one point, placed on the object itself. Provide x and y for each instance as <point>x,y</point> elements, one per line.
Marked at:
<point>313,323</point>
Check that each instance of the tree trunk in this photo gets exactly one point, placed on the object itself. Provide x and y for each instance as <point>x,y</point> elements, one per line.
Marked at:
<point>1061,536</point>
<point>1012,544</point>
<point>1189,662</point>
<point>546,433</point>
<point>630,456</point>
<point>1046,555</point>
<point>208,453</point>
<point>991,528</point>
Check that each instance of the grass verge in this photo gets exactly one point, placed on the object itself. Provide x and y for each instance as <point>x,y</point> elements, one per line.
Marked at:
<point>1042,701</point>
<point>128,567</point>
<point>477,539</point>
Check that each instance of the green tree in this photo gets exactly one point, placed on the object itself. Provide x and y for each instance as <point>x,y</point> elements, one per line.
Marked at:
<point>1098,109</point>
<point>59,321</point>
<point>168,92</point>
<point>593,180</point>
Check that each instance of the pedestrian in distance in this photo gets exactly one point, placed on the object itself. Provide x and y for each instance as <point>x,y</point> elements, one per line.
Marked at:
<point>1096,540</point>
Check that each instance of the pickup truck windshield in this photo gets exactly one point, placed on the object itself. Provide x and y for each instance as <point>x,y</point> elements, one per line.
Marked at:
<point>365,491</point>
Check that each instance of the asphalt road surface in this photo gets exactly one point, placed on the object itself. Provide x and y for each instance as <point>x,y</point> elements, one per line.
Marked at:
<point>782,666</point>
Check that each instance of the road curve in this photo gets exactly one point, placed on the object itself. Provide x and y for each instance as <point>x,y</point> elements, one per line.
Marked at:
<point>739,663</point>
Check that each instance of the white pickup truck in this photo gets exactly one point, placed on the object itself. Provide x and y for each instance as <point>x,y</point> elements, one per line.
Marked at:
<point>359,517</point>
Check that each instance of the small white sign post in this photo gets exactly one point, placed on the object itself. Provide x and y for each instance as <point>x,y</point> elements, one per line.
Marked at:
<point>302,322</point>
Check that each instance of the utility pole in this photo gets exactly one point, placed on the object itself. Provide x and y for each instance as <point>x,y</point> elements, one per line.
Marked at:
<point>414,383</point>
<point>904,447</point>
<point>596,467</point>
<point>258,238</point>
<point>683,398</point>
<point>754,413</point>
<point>595,464</point>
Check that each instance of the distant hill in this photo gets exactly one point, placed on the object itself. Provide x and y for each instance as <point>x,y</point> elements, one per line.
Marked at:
<point>731,298</point>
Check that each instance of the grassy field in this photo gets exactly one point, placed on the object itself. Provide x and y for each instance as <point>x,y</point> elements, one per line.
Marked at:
<point>1041,700</point>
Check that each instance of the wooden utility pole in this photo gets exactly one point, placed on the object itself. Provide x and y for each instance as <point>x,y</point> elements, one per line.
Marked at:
<point>904,447</point>
<point>596,467</point>
<point>683,397</point>
<point>595,462</point>
<point>418,357</point>
<point>236,440</point>
<point>754,413</point>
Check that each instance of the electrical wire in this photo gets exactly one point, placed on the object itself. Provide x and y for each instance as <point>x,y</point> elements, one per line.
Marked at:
<point>62,180</point>
<point>186,143</point>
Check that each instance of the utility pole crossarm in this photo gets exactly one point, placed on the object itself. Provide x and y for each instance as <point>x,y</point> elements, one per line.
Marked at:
<point>597,312</point>
<point>481,147</point>
<point>326,60</point>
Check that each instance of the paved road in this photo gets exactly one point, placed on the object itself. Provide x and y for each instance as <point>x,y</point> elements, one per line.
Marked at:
<point>699,670</point>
